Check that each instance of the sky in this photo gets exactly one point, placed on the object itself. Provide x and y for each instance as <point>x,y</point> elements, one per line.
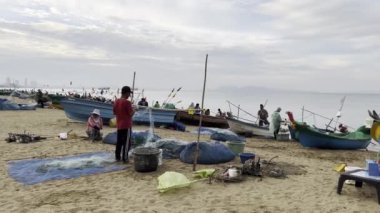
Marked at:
<point>311,45</point>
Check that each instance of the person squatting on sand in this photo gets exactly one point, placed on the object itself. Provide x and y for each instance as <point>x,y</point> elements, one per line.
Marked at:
<point>124,111</point>
<point>94,125</point>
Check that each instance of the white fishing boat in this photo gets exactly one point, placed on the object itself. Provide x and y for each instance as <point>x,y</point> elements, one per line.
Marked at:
<point>244,126</point>
<point>240,126</point>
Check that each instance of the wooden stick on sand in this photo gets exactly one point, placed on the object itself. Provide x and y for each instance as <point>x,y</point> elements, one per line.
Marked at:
<point>200,119</point>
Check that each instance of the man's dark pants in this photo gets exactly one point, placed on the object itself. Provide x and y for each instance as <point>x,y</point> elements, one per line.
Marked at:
<point>123,144</point>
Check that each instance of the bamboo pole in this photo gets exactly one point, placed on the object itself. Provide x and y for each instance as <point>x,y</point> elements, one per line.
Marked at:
<point>201,116</point>
<point>133,86</point>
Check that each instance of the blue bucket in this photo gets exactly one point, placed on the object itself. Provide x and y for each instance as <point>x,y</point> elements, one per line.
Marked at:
<point>373,169</point>
<point>246,156</point>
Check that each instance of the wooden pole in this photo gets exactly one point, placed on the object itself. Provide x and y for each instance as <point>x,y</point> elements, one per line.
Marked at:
<point>200,119</point>
<point>133,86</point>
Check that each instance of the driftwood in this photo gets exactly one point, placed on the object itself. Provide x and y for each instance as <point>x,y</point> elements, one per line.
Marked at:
<point>23,138</point>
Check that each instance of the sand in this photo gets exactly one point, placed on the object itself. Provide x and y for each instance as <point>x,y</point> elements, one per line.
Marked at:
<point>310,185</point>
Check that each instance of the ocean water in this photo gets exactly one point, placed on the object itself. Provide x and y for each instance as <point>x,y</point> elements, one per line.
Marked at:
<point>354,112</point>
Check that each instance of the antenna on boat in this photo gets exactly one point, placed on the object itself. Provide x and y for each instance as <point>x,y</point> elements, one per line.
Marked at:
<point>201,116</point>
<point>338,114</point>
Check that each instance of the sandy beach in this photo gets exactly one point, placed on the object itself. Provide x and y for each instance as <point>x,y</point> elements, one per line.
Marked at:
<point>310,185</point>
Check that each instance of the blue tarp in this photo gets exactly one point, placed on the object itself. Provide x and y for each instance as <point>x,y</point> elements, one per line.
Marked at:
<point>209,153</point>
<point>34,171</point>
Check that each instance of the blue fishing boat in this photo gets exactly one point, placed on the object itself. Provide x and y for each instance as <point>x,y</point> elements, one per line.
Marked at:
<point>80,109</point>
<point>158,116</point>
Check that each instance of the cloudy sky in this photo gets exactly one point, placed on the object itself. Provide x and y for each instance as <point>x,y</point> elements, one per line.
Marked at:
<point>291,44</point>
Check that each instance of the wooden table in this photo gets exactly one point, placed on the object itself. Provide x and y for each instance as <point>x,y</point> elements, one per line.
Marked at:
<point>359,176</point>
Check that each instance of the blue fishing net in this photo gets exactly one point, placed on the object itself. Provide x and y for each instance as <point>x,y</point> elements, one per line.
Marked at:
<point>34,171</point>
<point>226,135</point>
<point>209,153</point>
<point>138,138</point>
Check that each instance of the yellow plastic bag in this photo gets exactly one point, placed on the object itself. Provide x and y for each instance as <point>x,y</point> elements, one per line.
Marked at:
<point>172,180</point>
<point>340,167</point>
<point>112,122</point>
<point>204,173</point>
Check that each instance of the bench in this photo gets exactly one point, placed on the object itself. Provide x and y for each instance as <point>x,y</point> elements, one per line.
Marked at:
<point>359,176</point>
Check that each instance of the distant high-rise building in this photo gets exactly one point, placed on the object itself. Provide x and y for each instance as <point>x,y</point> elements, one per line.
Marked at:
<point>33,84</point>
<point>26,82</point>
<point>8,82</point>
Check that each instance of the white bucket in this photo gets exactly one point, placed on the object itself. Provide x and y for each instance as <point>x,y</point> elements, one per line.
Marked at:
<point>233,172</point>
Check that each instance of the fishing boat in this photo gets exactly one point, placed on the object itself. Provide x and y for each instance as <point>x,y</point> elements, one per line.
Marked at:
<point>241,126</point>
<point>6,104</point>
<point>315,138</point>
<point>80,109</point>
<point>156,116</point>
<point>207,120</point>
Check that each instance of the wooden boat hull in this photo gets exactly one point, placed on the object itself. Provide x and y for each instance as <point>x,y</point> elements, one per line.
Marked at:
<point>310,137</point>
<point>207,120</point>
<point>242,127</point>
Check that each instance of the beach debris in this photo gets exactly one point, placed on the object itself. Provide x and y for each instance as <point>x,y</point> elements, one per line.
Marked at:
<point>67,135</point>
<point>250,167</point>
<point>281,169</point>
<point>272,170</point>
<point>23,138</point>
<point>231,174</point>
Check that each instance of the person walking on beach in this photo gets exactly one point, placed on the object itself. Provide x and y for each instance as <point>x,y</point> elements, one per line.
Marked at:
<point>124,111</point>
<point>276,122</point>
<point>94,125</point>
<point>263,116</point>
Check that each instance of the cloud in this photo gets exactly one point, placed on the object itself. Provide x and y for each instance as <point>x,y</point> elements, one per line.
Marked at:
<point>275,43</point>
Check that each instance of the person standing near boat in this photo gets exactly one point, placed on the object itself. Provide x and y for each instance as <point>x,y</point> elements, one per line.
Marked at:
<point>143,102</point>
<point>197,109</point>
<point>156,105</point>
<point>274,126</point>
<point>263,116</point>
<point>124,111</point>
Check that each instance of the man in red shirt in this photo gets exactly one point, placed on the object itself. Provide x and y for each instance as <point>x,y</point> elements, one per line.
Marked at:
<point>124,111</point>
